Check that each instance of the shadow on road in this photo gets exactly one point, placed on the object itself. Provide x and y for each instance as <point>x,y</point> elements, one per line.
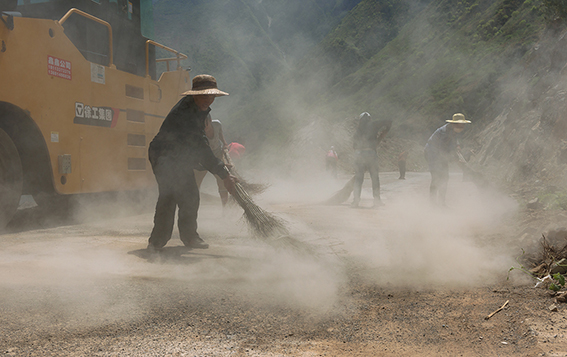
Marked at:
<point>76,210</point>
<point>33,218</point>
<point>178,255</point>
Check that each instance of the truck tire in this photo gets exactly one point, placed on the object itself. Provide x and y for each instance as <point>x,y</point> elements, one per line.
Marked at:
<point>11,179</point>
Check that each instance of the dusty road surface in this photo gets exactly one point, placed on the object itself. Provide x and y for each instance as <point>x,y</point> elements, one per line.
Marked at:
<point>402,280</point>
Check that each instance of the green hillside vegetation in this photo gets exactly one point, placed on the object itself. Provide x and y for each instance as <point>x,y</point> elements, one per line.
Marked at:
<point>451,57</point>
<point>416,62</point>
<point>364,32</point>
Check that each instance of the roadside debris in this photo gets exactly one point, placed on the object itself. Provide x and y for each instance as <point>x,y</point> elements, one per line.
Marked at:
<point>561,297</point>
<point>559,267</point>
<point>534,204</point>
<point>549,264</point>
<point>545,281</point>
<point>498,310</point>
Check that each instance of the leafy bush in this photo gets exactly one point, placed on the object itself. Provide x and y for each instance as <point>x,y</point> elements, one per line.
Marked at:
<point>554,9</point>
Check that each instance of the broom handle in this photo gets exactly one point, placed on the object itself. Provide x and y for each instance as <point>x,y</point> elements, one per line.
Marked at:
<point>461,156</point>
<point>463,161</point>
<point>228,160</point>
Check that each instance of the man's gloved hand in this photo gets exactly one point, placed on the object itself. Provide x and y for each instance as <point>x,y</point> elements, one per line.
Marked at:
<point>230,184</point>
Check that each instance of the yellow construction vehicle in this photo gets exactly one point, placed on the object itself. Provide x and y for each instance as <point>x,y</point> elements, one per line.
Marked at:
<point>79,97</point>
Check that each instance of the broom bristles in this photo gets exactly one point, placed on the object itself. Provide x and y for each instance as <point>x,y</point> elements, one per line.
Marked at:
<point>253,188</point>
<point>343,194</point>
<point>267,225</point>
<point>261,222</point>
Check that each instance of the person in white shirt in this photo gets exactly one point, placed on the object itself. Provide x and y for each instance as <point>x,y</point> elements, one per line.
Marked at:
<point>213,130</point>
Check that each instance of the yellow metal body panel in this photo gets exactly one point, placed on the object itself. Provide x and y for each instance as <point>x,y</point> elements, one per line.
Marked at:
<point>53,96</point>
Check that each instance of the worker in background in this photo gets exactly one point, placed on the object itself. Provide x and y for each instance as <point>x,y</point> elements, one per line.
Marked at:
<point>440,148</point>
<point>180,146</point>
<point>402,164</point>
<point>331,161</point>
<point>368,135</point>
<point>213,130</point>
<point>236,150</point>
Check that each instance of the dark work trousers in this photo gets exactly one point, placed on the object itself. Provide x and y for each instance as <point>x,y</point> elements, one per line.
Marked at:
<point>177,188</point>
<point>438,187</point>
<point>366,160</point>
<point>402,168</point>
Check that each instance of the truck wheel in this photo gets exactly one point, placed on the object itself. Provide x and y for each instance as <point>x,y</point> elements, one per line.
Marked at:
<point>11,179</point>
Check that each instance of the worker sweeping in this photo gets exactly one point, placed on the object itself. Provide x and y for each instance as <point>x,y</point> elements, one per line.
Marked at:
<point>331,160</point>
<point>180,146</point>
<point>402,160</point>
<point>366,139</point>
<point>440,148</point>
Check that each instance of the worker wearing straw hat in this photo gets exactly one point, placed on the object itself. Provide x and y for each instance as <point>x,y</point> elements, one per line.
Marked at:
<point>438,151</point>
<point>180,146</point>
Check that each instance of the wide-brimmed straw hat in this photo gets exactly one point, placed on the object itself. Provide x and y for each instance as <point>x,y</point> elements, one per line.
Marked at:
<point>458,118</point>
<point>205,84</point>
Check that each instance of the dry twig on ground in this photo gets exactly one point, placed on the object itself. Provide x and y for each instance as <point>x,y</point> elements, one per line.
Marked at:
<point>498,310</point>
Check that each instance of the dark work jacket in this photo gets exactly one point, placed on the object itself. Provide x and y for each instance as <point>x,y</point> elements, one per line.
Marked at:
<point>182,140</point>
<point>439,148</point>
<point>366,136</point>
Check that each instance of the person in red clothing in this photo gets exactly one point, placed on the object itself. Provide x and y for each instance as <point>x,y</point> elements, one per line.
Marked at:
<point>236,150</point>
<point>331,160</point>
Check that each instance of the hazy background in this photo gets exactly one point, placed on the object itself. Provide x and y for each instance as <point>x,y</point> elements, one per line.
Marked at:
<point>300,72</point>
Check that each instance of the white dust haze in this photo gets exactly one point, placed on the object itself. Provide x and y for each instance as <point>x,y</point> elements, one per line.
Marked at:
<point>93,270</point>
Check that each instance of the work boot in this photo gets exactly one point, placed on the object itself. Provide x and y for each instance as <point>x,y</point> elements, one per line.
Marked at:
<point>196,243</point>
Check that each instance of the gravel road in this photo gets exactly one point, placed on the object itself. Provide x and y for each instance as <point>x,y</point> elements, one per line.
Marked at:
<point>403,280</point>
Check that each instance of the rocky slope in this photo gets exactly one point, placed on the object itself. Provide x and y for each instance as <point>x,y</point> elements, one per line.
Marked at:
<point>525,147</point>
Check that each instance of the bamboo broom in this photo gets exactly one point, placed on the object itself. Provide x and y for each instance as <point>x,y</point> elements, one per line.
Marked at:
<point>253,188</point>
<point>343,194</point>
<point>267,225</point>
<point>261,222</point>
<point>477,178</point>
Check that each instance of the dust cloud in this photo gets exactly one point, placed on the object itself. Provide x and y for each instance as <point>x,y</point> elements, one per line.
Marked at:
<point>408,242</point>
<point>97,271</point>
